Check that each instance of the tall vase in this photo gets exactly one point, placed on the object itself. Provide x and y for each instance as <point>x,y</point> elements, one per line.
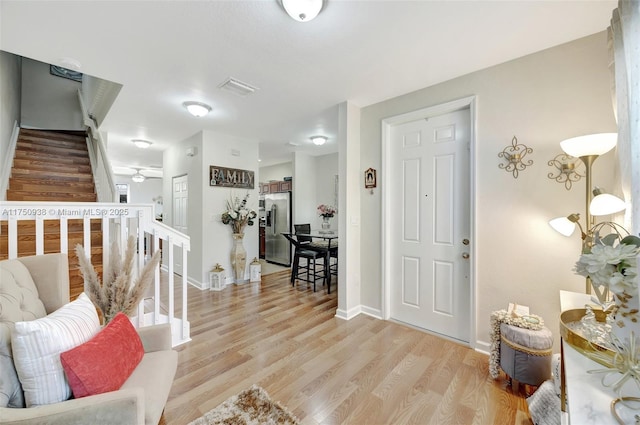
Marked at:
<point>238,258</point>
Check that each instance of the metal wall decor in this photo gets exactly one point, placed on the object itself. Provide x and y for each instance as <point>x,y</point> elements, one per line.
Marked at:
<point>567,170</point>
<point>515,155</point>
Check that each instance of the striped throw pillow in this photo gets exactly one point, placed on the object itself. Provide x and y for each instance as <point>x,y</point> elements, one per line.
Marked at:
<point>37,345</point>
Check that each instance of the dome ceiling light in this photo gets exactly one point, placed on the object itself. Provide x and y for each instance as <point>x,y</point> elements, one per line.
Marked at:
<point>142,144</point>
<point>318,140</point>
<point>197,109</point>
<point>302,10</point>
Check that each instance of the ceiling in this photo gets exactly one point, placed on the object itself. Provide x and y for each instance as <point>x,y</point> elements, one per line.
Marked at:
<point>165,53</point>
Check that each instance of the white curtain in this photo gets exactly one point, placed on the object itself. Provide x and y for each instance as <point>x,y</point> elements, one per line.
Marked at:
<point>624,49</point>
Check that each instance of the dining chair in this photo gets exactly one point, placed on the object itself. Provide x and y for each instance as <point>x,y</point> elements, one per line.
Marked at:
<point>303,229</point>
<point>309,271</point>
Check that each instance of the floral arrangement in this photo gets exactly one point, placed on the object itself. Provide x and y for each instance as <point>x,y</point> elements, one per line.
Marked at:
<point>117,293</point>
<point>327,210</point>
<point>612,265</point>
<point>238,215</point>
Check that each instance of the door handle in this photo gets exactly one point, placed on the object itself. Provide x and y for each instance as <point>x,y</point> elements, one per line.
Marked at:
<point>465,241</point>
<point>465,255</point>
<point>274,210</point>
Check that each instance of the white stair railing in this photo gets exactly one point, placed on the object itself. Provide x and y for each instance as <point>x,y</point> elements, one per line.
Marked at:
<point>102,173</point>
<point>118,221</point>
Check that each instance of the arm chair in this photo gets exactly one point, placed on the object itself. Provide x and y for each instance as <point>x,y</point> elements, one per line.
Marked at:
<point>141,398</point>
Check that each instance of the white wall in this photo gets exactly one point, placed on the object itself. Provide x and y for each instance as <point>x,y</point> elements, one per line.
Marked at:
<point>304,189</point>
<point>326,173</point>
<point>10,84</point>
<point>49,102</point>
<point>176,164</point>
<point>210,239</point>
<point>217,240</point>
<point>275,172</point>
<point>542,99</point>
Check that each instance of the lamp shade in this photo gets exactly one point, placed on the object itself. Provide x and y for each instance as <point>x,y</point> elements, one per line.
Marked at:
<point>592,144</point>
<point>563,225</point>
<point>605,204</point>
<point>302,10</point>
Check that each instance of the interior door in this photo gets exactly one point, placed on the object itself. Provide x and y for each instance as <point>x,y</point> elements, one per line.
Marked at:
<point>429,263</point>
<point>180,210</point>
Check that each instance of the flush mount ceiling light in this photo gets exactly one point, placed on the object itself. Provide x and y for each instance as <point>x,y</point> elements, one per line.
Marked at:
<point>197,109</point>
<point>142,144</point>
<point>318,140</point>
<point>302,10</point>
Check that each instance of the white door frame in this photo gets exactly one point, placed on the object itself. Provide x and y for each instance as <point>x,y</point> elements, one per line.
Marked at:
<point>388,209</point>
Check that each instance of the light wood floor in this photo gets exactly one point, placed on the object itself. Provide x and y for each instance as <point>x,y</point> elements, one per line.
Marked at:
<point>327,370</point>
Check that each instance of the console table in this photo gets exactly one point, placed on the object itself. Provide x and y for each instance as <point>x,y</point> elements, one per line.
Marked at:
<point>589,402</point>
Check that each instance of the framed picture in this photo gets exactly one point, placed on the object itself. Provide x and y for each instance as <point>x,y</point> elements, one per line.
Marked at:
<point>370,178</point>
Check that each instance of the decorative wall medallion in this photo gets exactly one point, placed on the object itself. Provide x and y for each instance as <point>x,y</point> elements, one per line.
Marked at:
<point>515,155</point>
<point>567,170</point>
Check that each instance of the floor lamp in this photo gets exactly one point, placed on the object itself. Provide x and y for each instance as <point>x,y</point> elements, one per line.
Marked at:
<point>597,203</point>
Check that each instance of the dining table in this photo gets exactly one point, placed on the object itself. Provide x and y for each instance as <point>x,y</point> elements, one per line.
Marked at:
<point>328,237</point>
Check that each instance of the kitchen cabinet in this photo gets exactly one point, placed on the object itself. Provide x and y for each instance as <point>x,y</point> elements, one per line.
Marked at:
<point>285,186</point>
<point>276,186</point>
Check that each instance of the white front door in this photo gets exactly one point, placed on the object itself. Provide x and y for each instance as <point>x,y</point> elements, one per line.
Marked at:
<point>429,225</point>
<point>180,209</point>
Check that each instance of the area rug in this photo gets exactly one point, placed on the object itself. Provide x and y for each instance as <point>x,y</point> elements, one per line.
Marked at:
<point>250,407</point>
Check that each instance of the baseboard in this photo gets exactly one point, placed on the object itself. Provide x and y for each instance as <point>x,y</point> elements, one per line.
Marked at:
<point>373,312</point>
<point>483,347</point>
<point>190,281</point>
<point>348,314</point>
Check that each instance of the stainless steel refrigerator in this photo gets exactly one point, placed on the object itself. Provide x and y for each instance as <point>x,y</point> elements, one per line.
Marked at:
<point>278,220</point>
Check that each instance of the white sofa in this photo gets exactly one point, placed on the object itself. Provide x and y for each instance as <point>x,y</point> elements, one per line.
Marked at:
<point>142,397</point>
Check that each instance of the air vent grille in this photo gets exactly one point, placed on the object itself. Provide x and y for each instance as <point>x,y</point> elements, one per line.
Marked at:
<point>237,87</point>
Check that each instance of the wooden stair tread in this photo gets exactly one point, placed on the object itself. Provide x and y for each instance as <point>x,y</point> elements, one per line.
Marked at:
<point>29,164</point>
<point>53,157</point>
<point>39,185</point>
<point>43,174</point>
<point>38,147</point>
<point>17,195</point>
<point>59,135</point>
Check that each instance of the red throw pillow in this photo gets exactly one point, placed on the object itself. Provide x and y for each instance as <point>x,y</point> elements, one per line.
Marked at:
<point>103,363</point>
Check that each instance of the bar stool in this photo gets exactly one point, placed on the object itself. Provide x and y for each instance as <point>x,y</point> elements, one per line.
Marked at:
<point>307,272</point>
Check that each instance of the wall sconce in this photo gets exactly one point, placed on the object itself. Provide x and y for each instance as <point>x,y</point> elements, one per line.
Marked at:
<point>588,149</point>
<point>568,170</point>
<point>515,155</point>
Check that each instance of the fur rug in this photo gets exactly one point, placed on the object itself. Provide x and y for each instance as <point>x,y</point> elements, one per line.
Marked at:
<point>250,407</point>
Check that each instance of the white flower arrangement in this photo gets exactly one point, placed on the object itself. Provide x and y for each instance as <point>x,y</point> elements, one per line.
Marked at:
<point>612,266</point>
<point>237,214</point>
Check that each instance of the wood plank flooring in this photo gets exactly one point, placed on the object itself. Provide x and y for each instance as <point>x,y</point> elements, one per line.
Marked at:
<point>327,370</point>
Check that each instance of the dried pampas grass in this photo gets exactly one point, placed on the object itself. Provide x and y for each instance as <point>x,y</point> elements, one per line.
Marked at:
<point>117,293</point>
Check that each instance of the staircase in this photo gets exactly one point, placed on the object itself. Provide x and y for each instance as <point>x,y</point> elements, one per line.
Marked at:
<point>53,166</point>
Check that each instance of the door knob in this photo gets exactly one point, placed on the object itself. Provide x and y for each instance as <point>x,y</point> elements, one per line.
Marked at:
<point>465,241</point>
<point>465,255</point>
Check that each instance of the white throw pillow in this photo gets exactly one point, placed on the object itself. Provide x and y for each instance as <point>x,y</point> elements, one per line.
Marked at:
<point>37,345</point>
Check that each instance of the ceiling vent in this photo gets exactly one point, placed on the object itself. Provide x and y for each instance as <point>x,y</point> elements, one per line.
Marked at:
<point>237,87</point>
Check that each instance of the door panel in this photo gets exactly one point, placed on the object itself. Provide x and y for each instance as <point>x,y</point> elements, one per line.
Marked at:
<point>430,158</point>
